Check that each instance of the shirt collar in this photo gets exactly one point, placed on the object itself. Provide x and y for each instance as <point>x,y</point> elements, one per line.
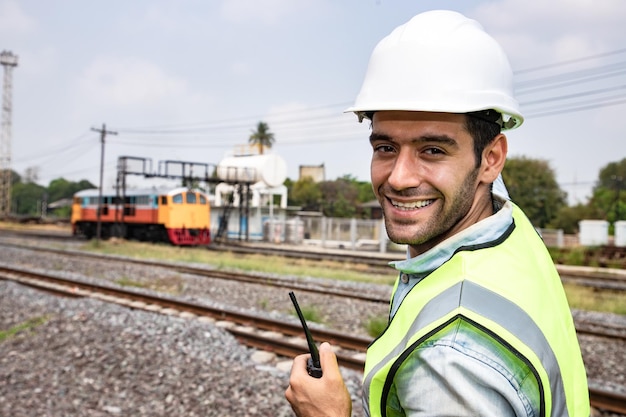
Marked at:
<point>484,231</point>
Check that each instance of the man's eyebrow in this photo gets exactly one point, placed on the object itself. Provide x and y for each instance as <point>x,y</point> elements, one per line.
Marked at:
<point>440,139</point>
<point>379,136</point>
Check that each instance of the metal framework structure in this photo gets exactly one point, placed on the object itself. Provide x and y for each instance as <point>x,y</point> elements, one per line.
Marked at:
<point>8,61</point>
<point>191,173</point>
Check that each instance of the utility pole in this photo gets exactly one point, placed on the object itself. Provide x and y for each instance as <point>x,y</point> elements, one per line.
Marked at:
<point>103,134</point>
<point>8,61</point>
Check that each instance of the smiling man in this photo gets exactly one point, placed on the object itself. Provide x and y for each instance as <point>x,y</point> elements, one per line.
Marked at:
<point>426,177</point>
<point>479,324</point>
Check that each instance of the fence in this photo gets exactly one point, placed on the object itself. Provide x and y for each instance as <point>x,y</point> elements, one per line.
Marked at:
<point>363,234</point>
<point>352,234</point>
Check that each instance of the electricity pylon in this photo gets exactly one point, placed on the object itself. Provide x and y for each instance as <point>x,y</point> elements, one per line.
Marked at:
<point>8,61</point>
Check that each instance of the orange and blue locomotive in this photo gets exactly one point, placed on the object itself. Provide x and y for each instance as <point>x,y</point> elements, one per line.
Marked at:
<point>180,216</point>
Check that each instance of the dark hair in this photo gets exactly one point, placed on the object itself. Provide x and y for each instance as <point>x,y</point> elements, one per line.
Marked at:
<point>483,129</point>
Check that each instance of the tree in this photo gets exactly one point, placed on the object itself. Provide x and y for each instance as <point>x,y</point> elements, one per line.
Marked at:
<point>532,186</point>
<point>262,137</point>
<point>339,198</point>
<point>609,193</point>
<point>306,194</point>
<point>27,198</point>
<point>15,177</point>
<point>61,188</point>
<point>568,217</point>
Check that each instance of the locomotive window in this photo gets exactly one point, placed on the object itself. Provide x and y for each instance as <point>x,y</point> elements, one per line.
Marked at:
<point>177,199</point>
<point>202,199</point>
<point>164,200</point>
<point>191,198</point>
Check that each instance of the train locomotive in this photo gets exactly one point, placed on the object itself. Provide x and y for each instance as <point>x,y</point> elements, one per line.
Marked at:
<point>179,216</point>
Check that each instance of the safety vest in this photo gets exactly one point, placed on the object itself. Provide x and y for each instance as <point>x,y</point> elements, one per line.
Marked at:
<point>508,289</point>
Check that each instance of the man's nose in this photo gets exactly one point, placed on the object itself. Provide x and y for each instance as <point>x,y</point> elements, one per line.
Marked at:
<point>406,172</point>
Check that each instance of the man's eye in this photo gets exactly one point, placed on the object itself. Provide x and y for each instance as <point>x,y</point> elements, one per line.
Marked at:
<point>434,151</point>
<point>383,148</point>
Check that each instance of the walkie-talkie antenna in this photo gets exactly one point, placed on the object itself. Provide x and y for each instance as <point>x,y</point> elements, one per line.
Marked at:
<point>313,367</point>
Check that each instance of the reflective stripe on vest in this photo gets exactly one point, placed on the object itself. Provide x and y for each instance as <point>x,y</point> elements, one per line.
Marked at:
<point>499,274</point>
<point>498,310</point>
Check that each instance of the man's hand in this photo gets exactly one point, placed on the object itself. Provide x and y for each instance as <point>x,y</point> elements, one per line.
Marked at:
<point>323,397</point>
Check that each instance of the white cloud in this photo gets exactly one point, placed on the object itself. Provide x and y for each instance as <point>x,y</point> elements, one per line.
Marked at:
<point>241,68</point>
<point>551,31</point>
<point>128,81</point>
<point>40,62</point>
<point>13,19</point>
<point>268,11</point>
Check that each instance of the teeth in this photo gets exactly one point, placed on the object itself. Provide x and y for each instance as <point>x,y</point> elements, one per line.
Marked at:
<point>412,205</point>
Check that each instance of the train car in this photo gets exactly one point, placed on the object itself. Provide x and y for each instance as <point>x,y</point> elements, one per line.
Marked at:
<point>180,216</point>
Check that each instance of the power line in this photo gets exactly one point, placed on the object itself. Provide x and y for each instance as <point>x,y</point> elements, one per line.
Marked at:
<point>580,94</point>
<point>312,125</point>
<point>572,109</point>
<point>570,61</point>
<point>286,120</point>
<point>239,122</point>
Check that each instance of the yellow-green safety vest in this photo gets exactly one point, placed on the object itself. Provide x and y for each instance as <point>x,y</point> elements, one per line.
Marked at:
<point>527,310</point>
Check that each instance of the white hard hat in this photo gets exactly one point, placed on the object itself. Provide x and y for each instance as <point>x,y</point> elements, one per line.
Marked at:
<point>439,61</point>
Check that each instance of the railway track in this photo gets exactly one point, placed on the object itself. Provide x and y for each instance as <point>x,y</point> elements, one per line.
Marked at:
<point>240,323</point>
<point>588,328</point>
<point>217,274</point>
<point>603,399</point>
<point>581,277</point>
<point>283,338</point>
<point>375,262</point>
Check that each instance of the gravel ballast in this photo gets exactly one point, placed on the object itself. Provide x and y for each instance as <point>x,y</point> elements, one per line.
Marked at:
<point>84,357</point>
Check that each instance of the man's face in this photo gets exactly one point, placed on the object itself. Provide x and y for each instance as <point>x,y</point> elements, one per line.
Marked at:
<point>424,175</point>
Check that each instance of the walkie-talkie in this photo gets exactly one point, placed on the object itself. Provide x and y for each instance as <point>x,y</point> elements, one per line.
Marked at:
<point>313,365</point>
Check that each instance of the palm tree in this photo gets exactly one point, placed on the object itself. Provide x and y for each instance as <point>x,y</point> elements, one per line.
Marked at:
<point>262,137</point>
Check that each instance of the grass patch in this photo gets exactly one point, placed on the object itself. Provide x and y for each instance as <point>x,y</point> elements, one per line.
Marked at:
<point>375,326</point>
<point>127,282</point>
<point>227,260</point>
<point>310,313</point>
<point>592,299</point>
<point>583,298</point>
<point>26,326</point>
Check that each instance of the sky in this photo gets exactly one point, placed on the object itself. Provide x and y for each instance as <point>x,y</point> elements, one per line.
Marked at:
<point>190,80</point>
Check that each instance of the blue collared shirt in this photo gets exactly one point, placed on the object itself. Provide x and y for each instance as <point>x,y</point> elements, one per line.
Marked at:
<point>460,372</point>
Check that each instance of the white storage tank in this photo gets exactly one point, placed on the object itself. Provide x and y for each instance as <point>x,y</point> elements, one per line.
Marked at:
<point>593,232</point>
<point>273,231</point>
<point>270,169</point>
<point>620,233</point>
<point>294,231</point>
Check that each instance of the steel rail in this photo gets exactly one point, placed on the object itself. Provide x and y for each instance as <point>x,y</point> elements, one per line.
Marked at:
<point>292,329</point>
<point>213,273</point>
<point>617,333</point>
<point>601,399</point>
<point>612,401</point>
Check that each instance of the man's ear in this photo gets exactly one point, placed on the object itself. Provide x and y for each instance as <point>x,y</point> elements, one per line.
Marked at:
<point>494,157</point>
